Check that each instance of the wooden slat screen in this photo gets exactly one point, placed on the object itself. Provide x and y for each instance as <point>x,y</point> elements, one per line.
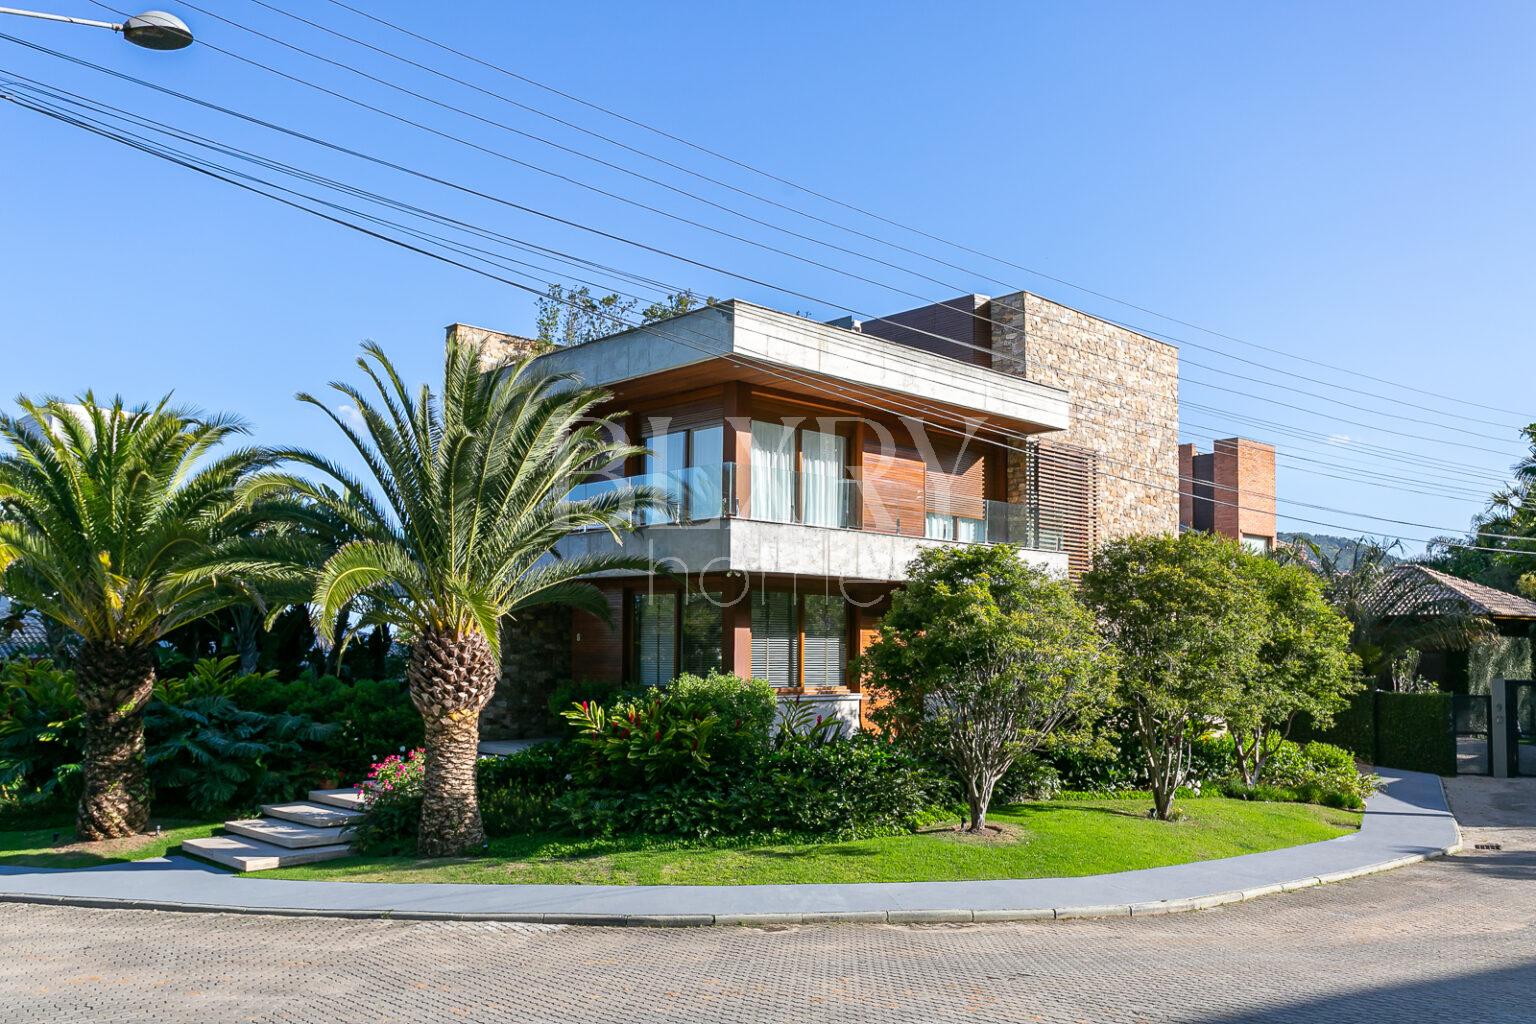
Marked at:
<point>1063,482</point>
<point>892,489</point>
<point>957,481</point>
<point>597,648</point>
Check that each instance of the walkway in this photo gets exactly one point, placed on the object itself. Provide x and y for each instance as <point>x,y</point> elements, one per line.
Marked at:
<point>1407,821</point>
<point>1453,939</point>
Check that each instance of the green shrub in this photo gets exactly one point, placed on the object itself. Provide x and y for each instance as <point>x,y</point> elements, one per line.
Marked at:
<point>211,756</point>
<point>575,692</point>
<point>1030,777</point>
<point>1353,728</point>
<point>518,791</point>
<point>1415,732</point>
<point>860,786</point>
<point>42,734</point>
<point>669,734</point>
<point>392,813</point>
<point>373,718</point>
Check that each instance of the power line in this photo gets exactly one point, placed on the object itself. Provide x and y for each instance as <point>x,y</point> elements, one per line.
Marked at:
<point>204,166</point>
<point>752,242</point>
<point>663,133</point>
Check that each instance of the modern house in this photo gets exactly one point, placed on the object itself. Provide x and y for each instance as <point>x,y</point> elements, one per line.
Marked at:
<point>1230,491</point>
<point>809,463</point>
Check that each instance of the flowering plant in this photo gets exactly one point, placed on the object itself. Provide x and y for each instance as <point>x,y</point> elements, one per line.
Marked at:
<point>396,775</point>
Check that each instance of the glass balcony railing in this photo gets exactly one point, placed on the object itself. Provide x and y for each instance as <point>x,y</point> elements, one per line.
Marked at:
<point>704,493</point>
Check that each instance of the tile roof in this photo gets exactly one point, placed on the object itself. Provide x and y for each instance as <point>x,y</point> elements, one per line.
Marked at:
<point>1437,591</point>
<point>22,634</point>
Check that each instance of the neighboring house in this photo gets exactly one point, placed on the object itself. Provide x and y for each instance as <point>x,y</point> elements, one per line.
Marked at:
<point>1417,591</point>
<point>1230,491</point>
<point>21,632</point>
<point>810,462</point>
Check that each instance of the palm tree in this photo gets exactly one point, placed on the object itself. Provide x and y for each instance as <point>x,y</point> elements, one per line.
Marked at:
<point>115,520</point>
<point>469,497</point>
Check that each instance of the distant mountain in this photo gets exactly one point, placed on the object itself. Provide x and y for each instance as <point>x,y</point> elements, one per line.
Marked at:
<point>1342,550</point>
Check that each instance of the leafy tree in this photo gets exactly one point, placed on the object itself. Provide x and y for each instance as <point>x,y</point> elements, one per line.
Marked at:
<point>1187,624</point>
<point>574,316</point>
<point>455,532</point>
<point>1304,664</point>
<point>981,659</point>
<point>117,521</point>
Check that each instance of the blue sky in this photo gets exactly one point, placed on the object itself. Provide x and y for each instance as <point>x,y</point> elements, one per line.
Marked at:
<point>1348,183</point>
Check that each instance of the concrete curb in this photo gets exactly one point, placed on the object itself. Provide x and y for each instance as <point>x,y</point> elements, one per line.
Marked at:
<point>765,920</point>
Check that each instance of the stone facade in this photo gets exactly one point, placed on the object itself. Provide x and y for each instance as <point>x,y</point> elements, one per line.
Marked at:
<point>535,657</point>
<point>1125,406</point>
<point>495,347</point>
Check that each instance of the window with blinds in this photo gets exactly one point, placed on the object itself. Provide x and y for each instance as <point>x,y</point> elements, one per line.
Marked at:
<point>775,637</point>
<point>826,640</point>
<point>703,634</point>
<point>655,618</point>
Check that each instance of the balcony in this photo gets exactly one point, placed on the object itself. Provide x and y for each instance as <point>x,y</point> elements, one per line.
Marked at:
<point>710,494</point>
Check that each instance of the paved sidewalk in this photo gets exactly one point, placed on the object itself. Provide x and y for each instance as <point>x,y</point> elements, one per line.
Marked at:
<point>1407,821</point>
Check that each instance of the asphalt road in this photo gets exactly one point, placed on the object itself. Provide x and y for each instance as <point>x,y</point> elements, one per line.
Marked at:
<point>1454,939</point>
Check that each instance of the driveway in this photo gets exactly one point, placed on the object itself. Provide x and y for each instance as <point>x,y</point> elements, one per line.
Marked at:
<point>1452,939</point>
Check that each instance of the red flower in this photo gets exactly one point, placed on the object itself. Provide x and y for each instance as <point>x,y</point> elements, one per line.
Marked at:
<point>657,737</point>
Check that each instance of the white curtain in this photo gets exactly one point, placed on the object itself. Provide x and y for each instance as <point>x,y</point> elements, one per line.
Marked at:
<point>773,472</point>
<point>821,458</point>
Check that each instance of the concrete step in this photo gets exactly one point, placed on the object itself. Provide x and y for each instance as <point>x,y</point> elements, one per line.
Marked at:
<point>314,815</point>
<point>254,855</point>
<point>288,834</point>
<point>347,799</point>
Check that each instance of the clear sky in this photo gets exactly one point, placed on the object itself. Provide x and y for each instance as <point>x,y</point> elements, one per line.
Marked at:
<point>1350,183</point>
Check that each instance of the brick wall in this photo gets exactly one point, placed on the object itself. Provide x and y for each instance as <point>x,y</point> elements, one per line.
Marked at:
<point>1230,490</point>
<point>1125,405</point>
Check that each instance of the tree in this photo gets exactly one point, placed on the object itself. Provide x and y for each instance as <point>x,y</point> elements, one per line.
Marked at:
<point>117,521</point>
<point>1304,663</point>
<point>574,316</point>
<point>456,532</point>
<point>981,659</point>
<point>1186,624</point>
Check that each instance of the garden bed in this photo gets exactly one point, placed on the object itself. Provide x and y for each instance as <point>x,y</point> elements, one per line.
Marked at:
<point>1053,839</point>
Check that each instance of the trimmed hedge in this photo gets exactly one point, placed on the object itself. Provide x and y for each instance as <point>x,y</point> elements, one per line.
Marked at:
<point>1413,731</point>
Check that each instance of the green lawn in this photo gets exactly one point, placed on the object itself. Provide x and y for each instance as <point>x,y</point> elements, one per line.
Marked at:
<point>1052,840</point>
<point>36,848</point>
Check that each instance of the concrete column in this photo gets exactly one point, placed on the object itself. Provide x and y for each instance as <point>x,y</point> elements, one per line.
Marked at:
<point>1499,709</point>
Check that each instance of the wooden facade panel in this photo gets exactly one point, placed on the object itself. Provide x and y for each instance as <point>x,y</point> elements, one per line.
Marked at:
<point>597,648</point>
<point>892,481</point>
<point>957,480</point>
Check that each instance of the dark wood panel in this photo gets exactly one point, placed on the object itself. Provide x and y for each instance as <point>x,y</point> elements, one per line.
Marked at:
<point>597,647</point>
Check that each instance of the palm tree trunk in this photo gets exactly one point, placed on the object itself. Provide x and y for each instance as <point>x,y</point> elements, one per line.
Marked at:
<point>114,683</point>
<point>451,678</point>
<point>247,637</point>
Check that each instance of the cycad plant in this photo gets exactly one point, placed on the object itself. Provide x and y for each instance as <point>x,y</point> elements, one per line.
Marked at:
<point>115,519</point>
<point>470,494</point>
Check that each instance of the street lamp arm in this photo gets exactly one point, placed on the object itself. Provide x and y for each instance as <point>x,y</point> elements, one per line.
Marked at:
<point>153,30</point>
<point>114,26</point>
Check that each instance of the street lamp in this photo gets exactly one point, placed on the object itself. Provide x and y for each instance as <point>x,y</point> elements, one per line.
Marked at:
<point>153,30</point>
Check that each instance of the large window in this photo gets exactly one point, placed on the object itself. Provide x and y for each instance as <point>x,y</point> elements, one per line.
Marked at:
<point>799,640</point>
<point>800,476</point>
<point>655,619</point>
<point>687,464</point>
<point>826,640</point>
<point>775,637</point>
<point>671,637</point>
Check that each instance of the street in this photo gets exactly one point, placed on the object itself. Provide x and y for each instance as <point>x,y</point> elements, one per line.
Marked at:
<point>1450,939</point>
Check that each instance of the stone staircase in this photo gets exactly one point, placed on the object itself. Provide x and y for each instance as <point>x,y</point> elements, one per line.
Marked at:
<point>301,832</point>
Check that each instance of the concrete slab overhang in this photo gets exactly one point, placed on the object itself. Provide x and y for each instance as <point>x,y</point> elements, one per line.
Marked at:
<point>737,340</point>
<point>755,547</point>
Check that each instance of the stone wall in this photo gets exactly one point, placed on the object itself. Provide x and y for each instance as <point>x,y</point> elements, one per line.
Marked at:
<point>495,347</point>
<point>1125,405</point>
<point>535,657</point>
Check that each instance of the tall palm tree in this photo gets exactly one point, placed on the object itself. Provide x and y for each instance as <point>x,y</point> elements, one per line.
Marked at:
<point>469,497</point>
<point>115,519</point>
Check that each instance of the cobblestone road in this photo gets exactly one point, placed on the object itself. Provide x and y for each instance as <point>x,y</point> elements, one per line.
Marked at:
<point>1450,940</point>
